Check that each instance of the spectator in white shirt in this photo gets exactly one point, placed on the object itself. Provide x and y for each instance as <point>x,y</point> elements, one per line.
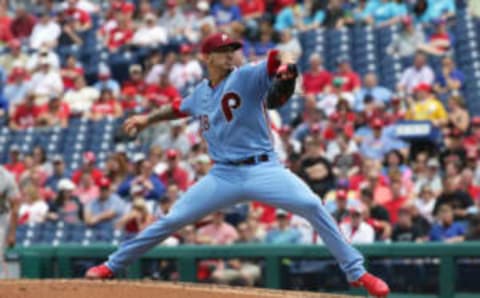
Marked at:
<point>173,19</point>
<point>356,230</point>
<point>43,53</point>
<point>81,97</point>
<point>418,73</point>
<point>46,31</point>
<point>289,44</point>
<point>187,71</point>
<point>34,209</point>
<point>150,34</point>
<point>46,81</point>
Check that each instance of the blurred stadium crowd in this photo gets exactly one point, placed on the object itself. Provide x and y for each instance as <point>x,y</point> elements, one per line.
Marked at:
<point>384,125</point>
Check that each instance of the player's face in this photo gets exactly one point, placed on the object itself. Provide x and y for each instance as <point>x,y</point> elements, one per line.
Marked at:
<point>221,59</point>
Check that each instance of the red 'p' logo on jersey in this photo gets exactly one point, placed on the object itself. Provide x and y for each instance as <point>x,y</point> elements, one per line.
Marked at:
<point>230,101</point>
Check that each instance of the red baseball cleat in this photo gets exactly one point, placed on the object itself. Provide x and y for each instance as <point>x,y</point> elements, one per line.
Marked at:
<point>374,285</point>
<point>99,272</point>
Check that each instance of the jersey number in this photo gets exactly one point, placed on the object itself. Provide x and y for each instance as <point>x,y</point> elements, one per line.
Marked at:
<point>230,101</point>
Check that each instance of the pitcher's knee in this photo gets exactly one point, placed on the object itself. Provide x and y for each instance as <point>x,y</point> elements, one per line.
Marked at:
<point>311,207</point>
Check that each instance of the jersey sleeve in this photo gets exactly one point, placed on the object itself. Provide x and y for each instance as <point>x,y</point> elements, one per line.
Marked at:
<point>260,74</point>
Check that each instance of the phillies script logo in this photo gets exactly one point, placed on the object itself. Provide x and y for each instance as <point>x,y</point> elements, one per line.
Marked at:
<point>230,102</point>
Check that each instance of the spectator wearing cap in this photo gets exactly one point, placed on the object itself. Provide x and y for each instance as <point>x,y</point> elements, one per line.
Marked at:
<point>25,114</point>
<point>22,23</point>
<point>46,81</point>
<point>136,79</point>
<point>149,33</point>
<point>420,73</point>
<point>405,44</point>
<point>188,70</point>
<point>81,98</point>
<point>88,166</point>
<point>54,113</point>
<point>144,177</point>
<point>447,229</point>
<point>164,92</point>
<point>175,138</point>
<point>14,58</point>
<point>201,166</point>
<point>45,32</point>
<point>378,143</point>
<point>43,54</point>
<point>173,19</point>
<point>317,78</point>
<point>350,79</point>
<point>65,207</point>
<point>426,107</point>
<point>426,172</point>
<point>121,35</point>
<point>371,92</point>
<point>105,106</point>
<point>15,163</point>
<point>458,117</point>
<point>282,231</point>
<point>70,72</point>
<point>450,80</point>
<point>175,173</point>
<point>106,210</point>
<point>356,230</point>
<point>289,46</point>
<point>59,173</point>
<point>105,80</point>
<point>340,206</point>
<point>329,100</point>
<point>82,17</point>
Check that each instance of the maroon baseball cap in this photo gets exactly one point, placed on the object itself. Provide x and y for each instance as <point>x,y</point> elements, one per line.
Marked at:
<point>172,153</point>
<point>217,41</point>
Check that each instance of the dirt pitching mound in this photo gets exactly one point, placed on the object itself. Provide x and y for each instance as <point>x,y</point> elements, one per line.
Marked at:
<point>129,289</point>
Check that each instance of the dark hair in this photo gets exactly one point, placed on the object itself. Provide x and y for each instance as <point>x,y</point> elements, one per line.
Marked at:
<point>397,153</point>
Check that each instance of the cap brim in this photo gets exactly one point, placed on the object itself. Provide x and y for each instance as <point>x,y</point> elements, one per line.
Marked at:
<point>235,45</point>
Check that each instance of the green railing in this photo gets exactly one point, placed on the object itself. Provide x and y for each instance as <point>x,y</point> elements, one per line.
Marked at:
<point>38,261</point>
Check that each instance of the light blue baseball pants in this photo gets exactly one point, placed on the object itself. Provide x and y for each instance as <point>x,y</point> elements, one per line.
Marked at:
<point>226,185</point>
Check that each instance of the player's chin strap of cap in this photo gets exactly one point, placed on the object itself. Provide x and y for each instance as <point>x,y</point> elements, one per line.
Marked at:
<point>281,89</point>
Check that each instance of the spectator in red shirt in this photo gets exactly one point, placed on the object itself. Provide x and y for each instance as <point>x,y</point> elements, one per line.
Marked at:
<point>129,99</point>
<point>22,25</point>
<point>70,72</point>
<point>278,5</point>
<point>26,114</point>
<point>440,41</point>
<point>5,22</point>
<point>472,142</point>
<point>81,16</point>
<point>251,9</point>
<point>15,164</point>
<point>136,79</point>
<point>105,106</point>
<point>174,172</point>
<point>317,78</point>
<point>55,112</point>
<point>165,92</point>
<point>121,35</point>
<point>398,199</point>
<point>351,80</point>
<point>88,166</point>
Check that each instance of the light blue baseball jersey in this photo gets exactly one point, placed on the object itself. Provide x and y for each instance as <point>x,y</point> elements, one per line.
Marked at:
<point>232,115</point>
